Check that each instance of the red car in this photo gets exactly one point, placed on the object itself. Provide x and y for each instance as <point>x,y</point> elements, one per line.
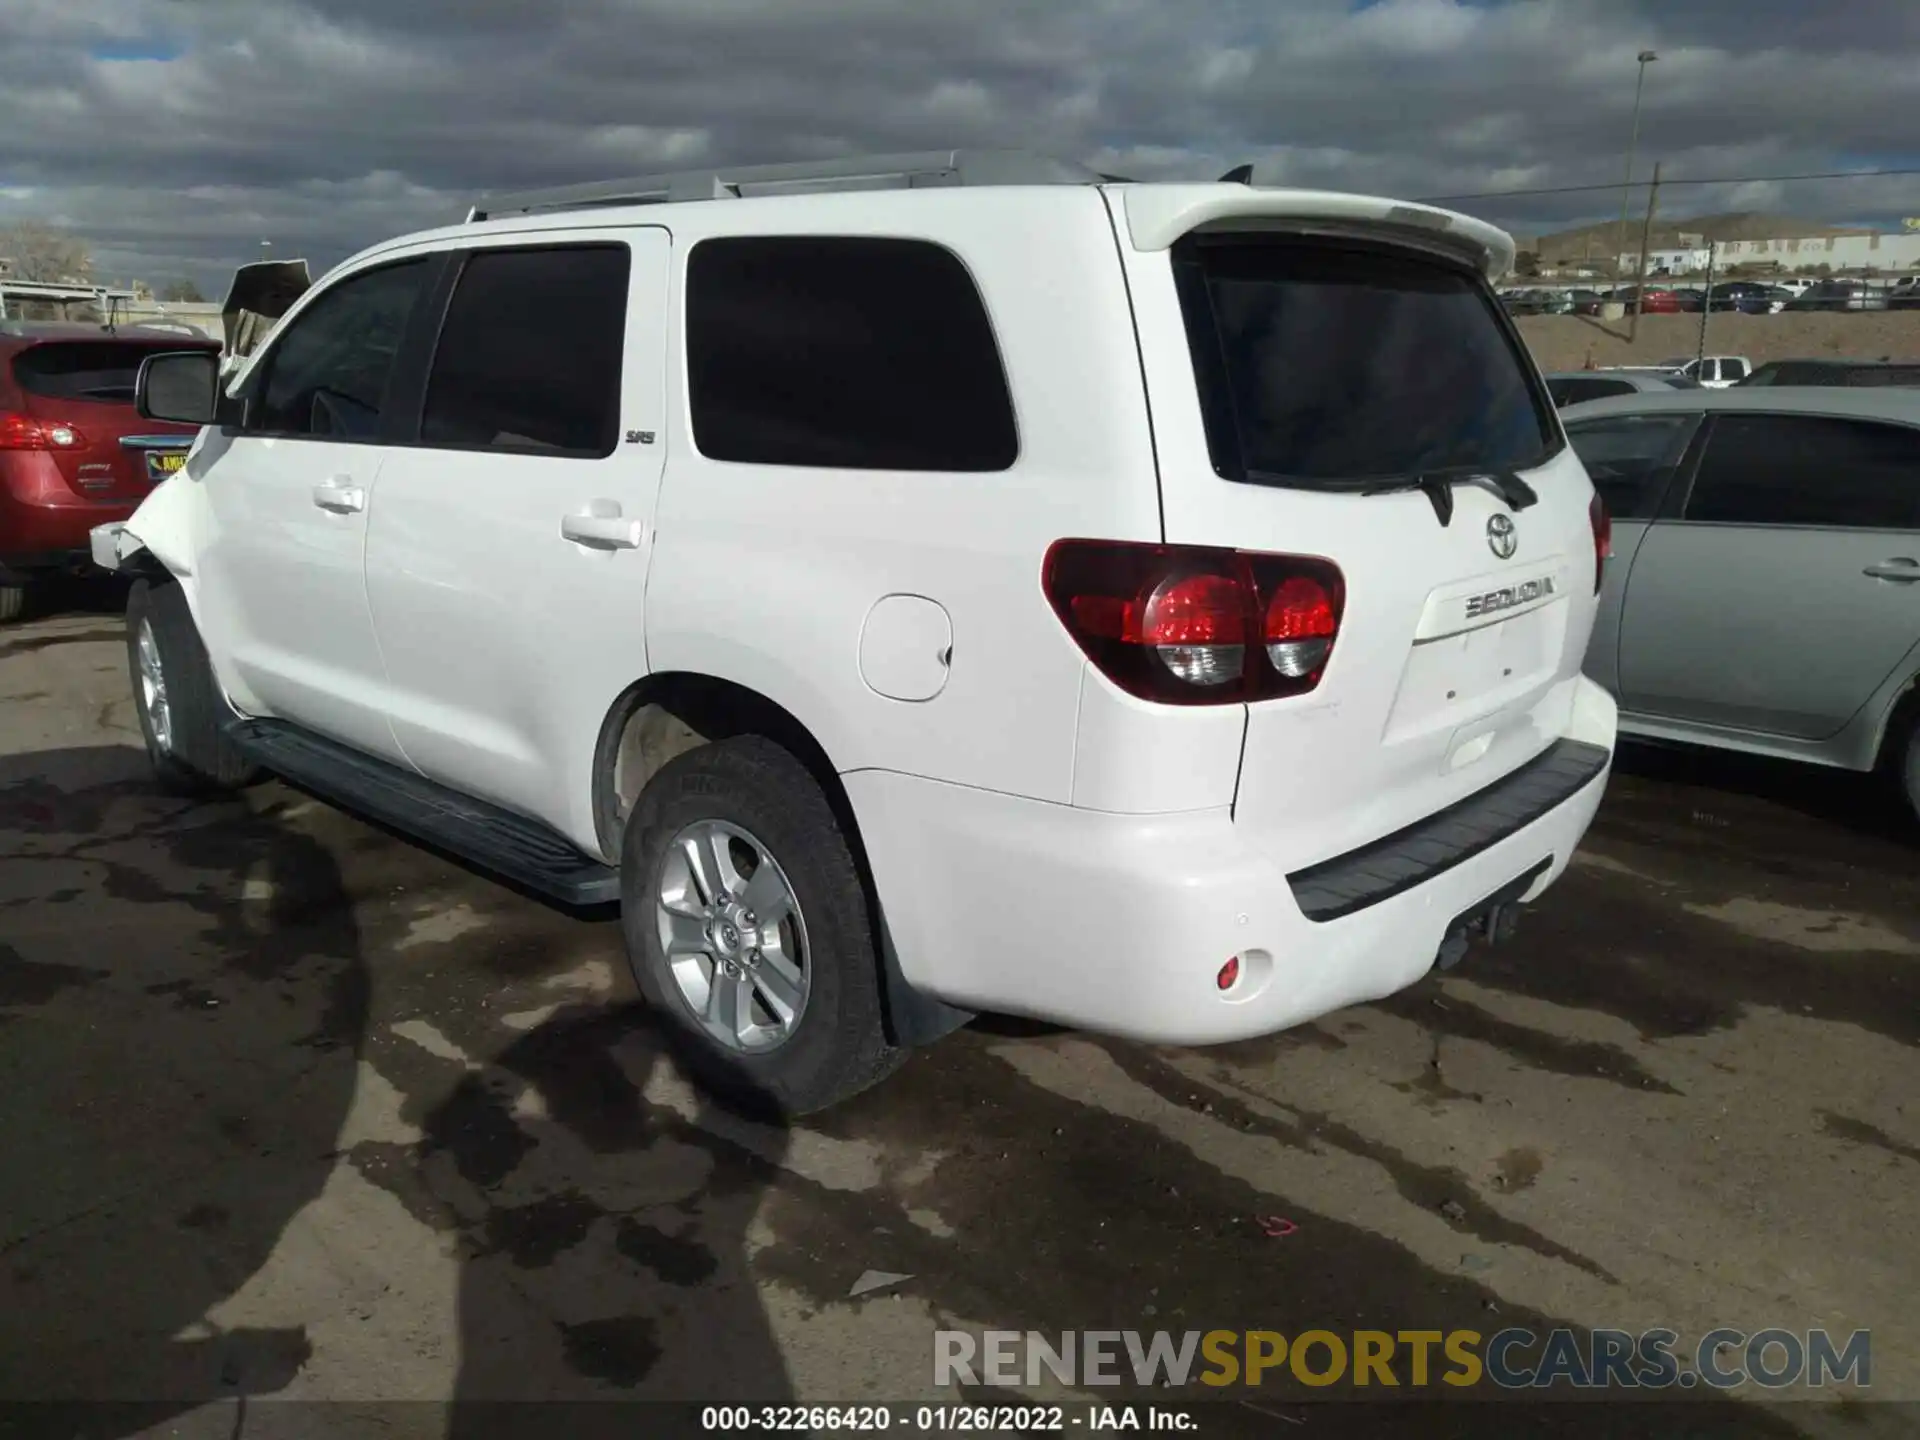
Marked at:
<point>73,451</point>
<point>1657,302</point>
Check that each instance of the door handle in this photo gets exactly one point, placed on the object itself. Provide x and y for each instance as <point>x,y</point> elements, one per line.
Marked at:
<point>603,532</point>
<point>1903,568</point>
<point>340,496</point>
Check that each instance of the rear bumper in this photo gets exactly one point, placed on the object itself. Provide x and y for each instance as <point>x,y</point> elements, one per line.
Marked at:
<point>1121,923</point>
<point>52,531</point>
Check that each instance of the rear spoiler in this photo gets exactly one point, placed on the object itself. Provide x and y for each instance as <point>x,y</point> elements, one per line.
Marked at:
<point>259,295</point>
<point>1158,215</point>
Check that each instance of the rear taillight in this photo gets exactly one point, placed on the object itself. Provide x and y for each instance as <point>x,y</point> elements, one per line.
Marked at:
<point>23,432</point>
<point>1602,540</point>
<point>1187,625</point>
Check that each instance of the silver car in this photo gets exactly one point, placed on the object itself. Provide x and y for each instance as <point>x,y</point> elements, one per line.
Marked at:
<point>1764,591</point>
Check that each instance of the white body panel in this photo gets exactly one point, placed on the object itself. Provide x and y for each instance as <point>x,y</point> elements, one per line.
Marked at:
<point>281,582</point>
<point>505,642</point>
<point>765,575</point>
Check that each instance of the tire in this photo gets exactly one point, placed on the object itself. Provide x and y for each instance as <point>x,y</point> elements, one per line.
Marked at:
<point>13,601</point>
<point>1905,768</point>
<point>190,753</point>
<point>761,801</point>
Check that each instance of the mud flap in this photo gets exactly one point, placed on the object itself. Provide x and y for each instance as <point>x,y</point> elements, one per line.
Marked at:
<point>1491,920</point>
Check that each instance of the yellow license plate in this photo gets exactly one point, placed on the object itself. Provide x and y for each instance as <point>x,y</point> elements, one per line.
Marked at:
<point>162,463</point>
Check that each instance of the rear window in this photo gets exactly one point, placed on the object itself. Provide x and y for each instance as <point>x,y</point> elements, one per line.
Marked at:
<point>1576,391</point>
<point>1339,366</point>
<point>85,369</point>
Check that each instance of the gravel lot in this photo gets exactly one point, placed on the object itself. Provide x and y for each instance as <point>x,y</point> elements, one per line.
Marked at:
<point>1562,342</point>
<point>291,1108</point>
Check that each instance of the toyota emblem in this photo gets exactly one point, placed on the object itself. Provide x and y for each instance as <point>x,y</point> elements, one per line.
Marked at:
<point>1502,538</point>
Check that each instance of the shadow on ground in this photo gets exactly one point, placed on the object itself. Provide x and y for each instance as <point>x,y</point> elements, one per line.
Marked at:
<point>182,998</point>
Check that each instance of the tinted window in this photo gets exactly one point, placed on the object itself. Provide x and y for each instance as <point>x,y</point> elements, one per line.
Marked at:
<point>1808,470</point>
<point>529,354</point>
<point>1733,369</point>
<point>861,354</point>
<point>1891,375</point>
<point>85,369</point>
<point>327,374</point>
<point>1573,392</point>
<point>1630,458</point>
<point>1332,365</point>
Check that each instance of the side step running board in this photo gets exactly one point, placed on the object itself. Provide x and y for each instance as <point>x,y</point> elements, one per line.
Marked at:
<point>509,845</point>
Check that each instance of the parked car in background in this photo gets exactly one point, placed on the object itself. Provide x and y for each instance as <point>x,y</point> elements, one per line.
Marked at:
<point>1571,387</point>
<point>1764,591</point>
<point>1904,293</point>
<point>1747,297</point>
<point>74,453</point>
<point>1656,301</point>
<point>1855,373</point>
<point>1690,299</point>
<point>1841,295</point>
<point>1715,372</point>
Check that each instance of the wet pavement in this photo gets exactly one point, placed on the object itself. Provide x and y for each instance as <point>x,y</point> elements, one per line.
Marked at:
<point>295,1111</point>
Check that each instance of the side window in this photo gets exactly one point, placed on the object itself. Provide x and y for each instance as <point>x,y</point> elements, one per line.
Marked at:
<point>529,353</point>
<point>327,374</point>
<point>1630,458</point>
<point>1809,470</point>
<point>852,353</point>
<point>1573,392</point>
<point>1735,369</point>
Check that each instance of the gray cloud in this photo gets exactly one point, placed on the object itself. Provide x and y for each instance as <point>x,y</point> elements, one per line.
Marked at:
<point>179,133</point>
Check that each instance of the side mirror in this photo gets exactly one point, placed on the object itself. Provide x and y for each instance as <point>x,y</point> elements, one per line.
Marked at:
<point>179,385</point>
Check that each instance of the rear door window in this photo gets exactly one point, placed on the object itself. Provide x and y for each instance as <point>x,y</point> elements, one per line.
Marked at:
<point>1808,470</point>
<point>846,352</point>
<point>530,352</point>
<point>1630,458</point>
<point>103,370</point>
<point>1329,366</point>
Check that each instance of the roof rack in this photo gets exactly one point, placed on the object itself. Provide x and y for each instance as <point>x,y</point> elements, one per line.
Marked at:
<point>864,172</point>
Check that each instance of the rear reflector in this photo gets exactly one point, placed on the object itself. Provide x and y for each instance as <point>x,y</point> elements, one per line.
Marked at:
<point>1187,625</point>
<point>1229,973</point>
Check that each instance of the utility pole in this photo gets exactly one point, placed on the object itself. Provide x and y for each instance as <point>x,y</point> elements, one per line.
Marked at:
<point>1706,304</point>
<point>1647,57</point>
<point>1646,243</point>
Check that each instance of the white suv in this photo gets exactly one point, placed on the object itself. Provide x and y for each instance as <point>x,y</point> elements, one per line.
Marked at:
<point>909,588</point>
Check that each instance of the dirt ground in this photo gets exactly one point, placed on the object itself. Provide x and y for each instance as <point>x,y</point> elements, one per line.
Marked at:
<point>293,1110</point>
<point>1563,342</point>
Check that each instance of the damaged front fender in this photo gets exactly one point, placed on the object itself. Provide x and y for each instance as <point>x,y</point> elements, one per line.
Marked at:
<point>158,534</point>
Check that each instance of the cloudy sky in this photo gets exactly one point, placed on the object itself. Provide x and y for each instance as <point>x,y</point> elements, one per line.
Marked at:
<point>178,134</point>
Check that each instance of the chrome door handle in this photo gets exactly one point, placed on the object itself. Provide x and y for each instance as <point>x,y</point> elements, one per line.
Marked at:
<point>340,497</point>
<point>603,532</point>
<point>1903,568</point>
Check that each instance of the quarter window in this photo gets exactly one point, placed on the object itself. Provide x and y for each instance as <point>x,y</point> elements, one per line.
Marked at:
<point>529,354</point>
<point>326,377</point>
<point>1809,470</point>
<point>844,352</point>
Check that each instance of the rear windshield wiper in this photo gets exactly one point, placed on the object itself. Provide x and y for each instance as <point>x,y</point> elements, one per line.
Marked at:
<point>1438,487</point>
